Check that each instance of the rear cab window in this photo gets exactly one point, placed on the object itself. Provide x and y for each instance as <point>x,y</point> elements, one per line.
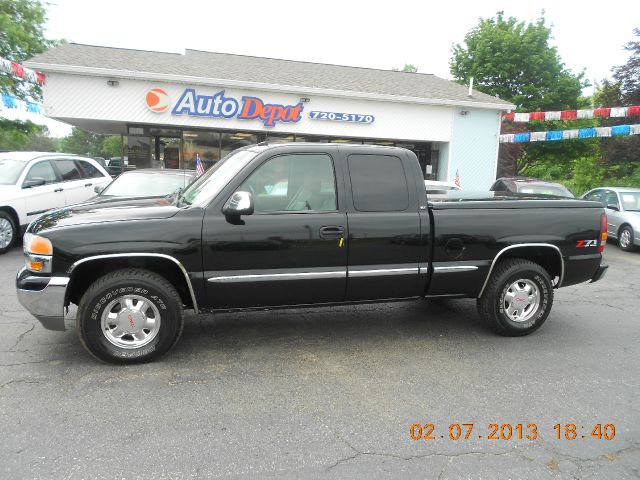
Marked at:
<point>378,183</point>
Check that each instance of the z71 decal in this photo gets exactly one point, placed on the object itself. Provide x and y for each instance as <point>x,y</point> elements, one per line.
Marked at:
<point>586,243</point>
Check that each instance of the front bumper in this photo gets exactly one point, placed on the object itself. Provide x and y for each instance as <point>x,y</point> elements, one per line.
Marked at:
<point>600,273</point>
<point>43,297</point>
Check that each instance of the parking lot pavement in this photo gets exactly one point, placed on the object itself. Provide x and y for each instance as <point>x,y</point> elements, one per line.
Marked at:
<point>332,393</point>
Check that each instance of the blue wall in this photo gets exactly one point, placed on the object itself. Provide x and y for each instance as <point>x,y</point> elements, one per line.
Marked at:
<point>474,147</point>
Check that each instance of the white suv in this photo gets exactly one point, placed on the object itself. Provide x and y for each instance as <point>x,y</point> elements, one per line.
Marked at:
<point>33,182</point>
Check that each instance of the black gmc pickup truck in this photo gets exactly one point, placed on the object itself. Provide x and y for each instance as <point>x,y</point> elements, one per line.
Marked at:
<point>283,225</point>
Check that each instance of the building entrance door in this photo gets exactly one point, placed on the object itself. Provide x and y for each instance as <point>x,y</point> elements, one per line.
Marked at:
<point>167,152</point>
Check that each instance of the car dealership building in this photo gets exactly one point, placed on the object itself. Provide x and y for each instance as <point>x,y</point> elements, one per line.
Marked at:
<point>174,107</point>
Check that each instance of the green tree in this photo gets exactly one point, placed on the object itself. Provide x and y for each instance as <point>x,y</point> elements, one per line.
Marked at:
<point>628,75</point>
<point>621,155</point>
<point>514,61</point>
<point>408,67</point>
<point>41,141</point>
<point>111,146</point>
<point>81,142</point>
<point>21,37</point>
<point>14,134</point>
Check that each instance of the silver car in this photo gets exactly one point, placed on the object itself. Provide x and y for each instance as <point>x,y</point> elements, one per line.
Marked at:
<point>622,206</point>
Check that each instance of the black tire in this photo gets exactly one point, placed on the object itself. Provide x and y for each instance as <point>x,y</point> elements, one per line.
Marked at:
<point>492,306</point>
<point>626,244</point>
<point>12,232</point>
<point>125,285</point>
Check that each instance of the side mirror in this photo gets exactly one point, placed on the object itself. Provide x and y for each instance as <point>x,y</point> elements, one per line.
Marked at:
<point>36,182</point>
<point>98,188</point>
<point>240,203</point>
<point>613,207</point>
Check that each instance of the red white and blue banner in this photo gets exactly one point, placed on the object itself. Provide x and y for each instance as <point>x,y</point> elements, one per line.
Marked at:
<point>8,101</point>
<point>557,135</point>
<point>13,68</point>
<point>603,112</point>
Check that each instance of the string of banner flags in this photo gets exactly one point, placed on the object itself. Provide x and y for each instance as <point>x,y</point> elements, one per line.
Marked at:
<point>557,135</point>
<point>603,112</point>
<point>8,101</point>
<point>27,74</point>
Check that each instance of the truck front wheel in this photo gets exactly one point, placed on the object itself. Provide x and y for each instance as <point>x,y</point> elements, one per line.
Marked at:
<point>518,298</point>
<point>129,316</point>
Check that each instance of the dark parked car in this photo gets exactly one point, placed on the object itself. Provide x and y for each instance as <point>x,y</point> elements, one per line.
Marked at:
<point>301,224</point>
<point>530,185</point>
<point>114,166</point>
<point>148,182</point>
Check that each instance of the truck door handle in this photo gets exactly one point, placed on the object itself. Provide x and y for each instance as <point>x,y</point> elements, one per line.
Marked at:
<point>58,189</point>
<point>332,231</point>
<point>88,184</point>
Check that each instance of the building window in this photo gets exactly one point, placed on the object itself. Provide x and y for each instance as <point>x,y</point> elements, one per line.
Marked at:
<point>206,144</point>
<point>231,141</point>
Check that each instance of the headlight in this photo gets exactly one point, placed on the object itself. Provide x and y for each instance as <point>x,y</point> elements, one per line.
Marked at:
<point>37,253</point>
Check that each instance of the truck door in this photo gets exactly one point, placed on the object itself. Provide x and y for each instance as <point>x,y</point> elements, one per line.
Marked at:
<point>290,250</point>
<point>384,241</point>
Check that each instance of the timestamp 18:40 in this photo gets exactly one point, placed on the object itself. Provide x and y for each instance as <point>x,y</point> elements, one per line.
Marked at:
<point>508,431</point>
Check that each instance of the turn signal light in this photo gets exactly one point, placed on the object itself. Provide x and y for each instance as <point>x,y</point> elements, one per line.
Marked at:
<point>603,233</point>
<point>35,265</point>
<point>37,244</point>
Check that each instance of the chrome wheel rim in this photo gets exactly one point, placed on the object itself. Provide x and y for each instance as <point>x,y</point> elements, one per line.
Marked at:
<point>625,238</point>
<point>6,233</point>
<point>130,321</point>
<point>522,300</point>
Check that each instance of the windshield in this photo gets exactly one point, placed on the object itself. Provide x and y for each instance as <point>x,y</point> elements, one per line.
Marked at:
<point>10,170</point>
<point>217,177</point>
<point>630,201</point>
<point>544,190</point>
<point>140,184</point>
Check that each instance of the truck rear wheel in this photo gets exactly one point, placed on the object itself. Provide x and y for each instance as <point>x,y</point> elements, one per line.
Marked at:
<point>129,316</point>
<point>517,299</point>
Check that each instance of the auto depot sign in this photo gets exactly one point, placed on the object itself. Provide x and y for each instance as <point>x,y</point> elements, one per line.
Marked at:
<point>219,105</point>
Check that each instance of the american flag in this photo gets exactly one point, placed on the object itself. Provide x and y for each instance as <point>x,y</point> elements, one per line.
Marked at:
<point>199,166</point>
<point>457,179</point>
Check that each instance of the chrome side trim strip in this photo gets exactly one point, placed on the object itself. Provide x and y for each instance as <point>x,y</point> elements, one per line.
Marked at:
<point>455,269</point>
<point>270,277</point>
<point>519,245</point>
<point>158,255</point>
<point>378,272</point>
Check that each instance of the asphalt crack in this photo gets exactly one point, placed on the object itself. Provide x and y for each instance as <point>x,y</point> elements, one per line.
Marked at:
<point>21,337</point>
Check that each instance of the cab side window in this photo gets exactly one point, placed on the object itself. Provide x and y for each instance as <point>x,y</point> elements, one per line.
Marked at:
<point>68,170</point>
<point>293,183</point>
<point>42,171</point>
<point>379,183</point>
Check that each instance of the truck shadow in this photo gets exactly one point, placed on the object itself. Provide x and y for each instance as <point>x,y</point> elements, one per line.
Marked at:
<point>332,327</point>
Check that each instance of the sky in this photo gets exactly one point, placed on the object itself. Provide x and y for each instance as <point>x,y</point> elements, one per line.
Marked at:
<point>589,35</point>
